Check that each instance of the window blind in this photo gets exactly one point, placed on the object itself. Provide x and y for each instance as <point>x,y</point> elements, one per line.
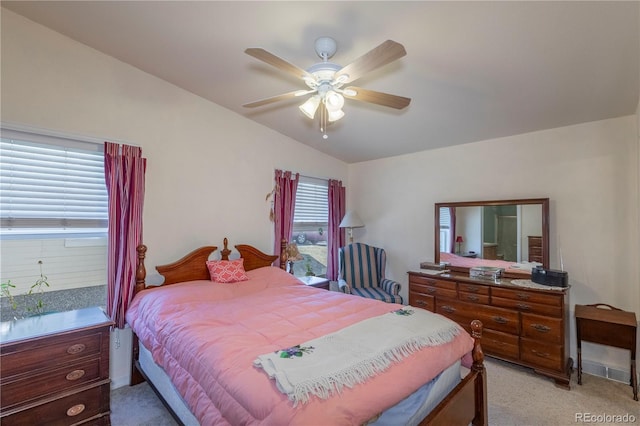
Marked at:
<point>49,183</point>
<point>445,217</point>
<point>312,201</point>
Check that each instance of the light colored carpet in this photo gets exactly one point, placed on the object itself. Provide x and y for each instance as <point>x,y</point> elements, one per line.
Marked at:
<point>516,396</point>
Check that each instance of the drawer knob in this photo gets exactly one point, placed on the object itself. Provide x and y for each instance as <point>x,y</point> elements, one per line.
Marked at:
<point>500,320</point>
<point>523,306</point>
<point>76,349</point>
<point>75,375</point>
<point>420,302</point>
<point>448,309</point>
<point>75,410</point>
<point>541,328</point>
<point>473,298</point>
<point>431,290</point>
<point>471,289</point>
<point>522,296</point>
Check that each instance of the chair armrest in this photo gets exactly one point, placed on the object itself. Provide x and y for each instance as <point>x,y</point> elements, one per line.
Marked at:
<point>390,286</point>
<point>344,287</point>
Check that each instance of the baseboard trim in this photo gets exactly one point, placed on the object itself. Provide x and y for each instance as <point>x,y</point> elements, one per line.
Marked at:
<point>611,373</point>
<point>118,382</point>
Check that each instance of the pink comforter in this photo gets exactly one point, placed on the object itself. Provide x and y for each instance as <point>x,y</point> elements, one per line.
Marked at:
<point>206,336</point>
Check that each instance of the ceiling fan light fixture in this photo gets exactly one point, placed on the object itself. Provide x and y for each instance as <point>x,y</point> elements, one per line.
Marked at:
<point>349,92</point>
<point>334,101</point>
<point>335,115</point>
<point>310,107</point>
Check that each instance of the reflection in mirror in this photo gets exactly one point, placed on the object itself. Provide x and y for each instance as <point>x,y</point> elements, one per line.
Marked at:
<point>511,234</point>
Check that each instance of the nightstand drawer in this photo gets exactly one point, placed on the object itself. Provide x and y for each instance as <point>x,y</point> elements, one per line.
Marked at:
<point>33,386</point>
<point>43,353</point>
<point>92,402</point>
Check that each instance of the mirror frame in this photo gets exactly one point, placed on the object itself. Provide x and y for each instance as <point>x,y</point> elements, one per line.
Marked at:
<point>544,202</point>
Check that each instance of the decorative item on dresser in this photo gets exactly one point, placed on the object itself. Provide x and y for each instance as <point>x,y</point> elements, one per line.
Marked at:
<point>535,249</point>
<point>525,326</point>
<point>55,369</point>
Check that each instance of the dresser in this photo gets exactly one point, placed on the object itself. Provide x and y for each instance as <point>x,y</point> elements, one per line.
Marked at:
<point>54,369</point>
<point>529,327</point>
<point>535,249</point>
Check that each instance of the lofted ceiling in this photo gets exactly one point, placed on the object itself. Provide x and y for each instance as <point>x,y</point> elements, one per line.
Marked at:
<point>474,70</point>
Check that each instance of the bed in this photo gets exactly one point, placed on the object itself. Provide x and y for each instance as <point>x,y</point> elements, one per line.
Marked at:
<point>198,344</point>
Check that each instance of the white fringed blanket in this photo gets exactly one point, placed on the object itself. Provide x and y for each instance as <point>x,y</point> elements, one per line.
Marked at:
<point>325,365</point>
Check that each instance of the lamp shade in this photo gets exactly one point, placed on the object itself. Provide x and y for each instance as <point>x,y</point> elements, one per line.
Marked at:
<point>351,220</point>
<point>459,239</point>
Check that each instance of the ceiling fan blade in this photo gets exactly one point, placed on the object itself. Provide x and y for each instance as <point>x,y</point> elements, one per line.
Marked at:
<point>374,97</point>
<point>277,62</point>
<point>277,98</point>
<point>387,52</point>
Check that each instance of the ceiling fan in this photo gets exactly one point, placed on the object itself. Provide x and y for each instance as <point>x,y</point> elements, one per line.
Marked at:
<point>325,80</point>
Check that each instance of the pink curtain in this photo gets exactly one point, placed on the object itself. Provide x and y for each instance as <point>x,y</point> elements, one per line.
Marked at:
<point>284,205</point>
<point>124,170</point>
<point>335,238</point>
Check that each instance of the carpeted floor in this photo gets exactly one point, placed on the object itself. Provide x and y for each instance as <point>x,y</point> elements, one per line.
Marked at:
<point>517,396</point>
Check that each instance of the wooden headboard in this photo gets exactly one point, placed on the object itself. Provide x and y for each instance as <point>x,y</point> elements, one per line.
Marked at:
<point>193,266</point>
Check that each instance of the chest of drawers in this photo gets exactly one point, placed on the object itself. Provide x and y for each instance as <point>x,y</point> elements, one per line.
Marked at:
<point>529,327</point>
<point>54,369</point>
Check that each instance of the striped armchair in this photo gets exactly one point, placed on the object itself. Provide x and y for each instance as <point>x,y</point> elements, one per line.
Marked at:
<point>361,272</point>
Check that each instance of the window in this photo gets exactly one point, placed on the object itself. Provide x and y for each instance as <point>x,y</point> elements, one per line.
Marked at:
<point>53,209</point>
<point>310,222</point>
<point>445,229</point>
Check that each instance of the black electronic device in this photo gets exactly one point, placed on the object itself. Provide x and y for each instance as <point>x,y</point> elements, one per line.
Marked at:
<point>550,277</point>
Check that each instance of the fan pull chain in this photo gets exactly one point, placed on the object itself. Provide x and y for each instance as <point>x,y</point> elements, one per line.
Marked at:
<point>323,120</point>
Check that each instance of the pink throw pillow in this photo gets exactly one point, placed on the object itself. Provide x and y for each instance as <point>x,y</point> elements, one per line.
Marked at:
<point>227,271</point>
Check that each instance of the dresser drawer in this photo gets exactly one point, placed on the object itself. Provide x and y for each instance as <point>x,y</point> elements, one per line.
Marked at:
<point>522,306</point>
<point>473,288</point>
<point>433,282</point>
<point>434,291</point>
<point>88,403</point>
<point>33,386</point>
<point>540,354</point>
<point>503,345</point>
<point>423,301</point>
<point>528,296</point>
<point>48,352</point>
<point>474,297</point>
<point>492,318</point>
<point>542,328</point>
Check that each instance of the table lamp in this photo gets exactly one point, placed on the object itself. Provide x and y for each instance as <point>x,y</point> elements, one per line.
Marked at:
<point>459,241</point>
<point>293,254</point>
<point>351,220</point>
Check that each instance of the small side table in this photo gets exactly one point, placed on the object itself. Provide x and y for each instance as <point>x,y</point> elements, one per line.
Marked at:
<point>317,282</point>
<point>606,325</point>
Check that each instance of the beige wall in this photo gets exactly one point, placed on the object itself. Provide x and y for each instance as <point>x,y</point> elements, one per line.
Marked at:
<point>208,170</point>
<point>589,172</point>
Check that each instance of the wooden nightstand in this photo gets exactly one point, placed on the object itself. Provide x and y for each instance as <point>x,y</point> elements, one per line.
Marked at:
<point>609,326</point>
<point>54,369</point>
<point>317,282</point>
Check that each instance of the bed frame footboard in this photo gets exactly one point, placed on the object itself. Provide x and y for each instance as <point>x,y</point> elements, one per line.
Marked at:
<point>467,402</point>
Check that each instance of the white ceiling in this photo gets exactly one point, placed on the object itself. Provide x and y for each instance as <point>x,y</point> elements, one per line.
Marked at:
<point>474,70</point>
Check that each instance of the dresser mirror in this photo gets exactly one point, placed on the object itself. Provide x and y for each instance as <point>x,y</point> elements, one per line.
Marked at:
<point>501,233</point>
